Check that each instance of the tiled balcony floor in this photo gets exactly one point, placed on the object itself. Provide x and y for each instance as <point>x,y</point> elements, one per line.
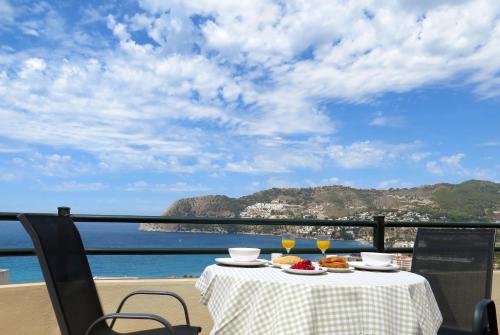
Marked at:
<point>25,309</point>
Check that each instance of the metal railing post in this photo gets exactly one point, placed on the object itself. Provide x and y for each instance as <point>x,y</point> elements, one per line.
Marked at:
<point>379,233</point>
<point>63,211</point>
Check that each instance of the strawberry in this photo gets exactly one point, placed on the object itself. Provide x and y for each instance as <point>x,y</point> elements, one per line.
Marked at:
<point>303,265</point>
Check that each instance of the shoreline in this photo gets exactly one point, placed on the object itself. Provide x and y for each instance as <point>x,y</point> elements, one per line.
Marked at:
<point>26,269</point>
<point>241,233</point>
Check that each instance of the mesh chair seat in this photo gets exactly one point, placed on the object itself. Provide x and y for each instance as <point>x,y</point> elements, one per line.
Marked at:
<point>458,264</point>
<point>448,331</point>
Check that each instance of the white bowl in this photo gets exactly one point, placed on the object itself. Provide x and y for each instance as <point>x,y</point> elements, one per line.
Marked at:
<point>376,258</point>
<point>244,254</point>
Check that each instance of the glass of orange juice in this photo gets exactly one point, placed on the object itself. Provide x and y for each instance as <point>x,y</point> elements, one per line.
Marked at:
<point>288,242</point>
<point>323,243</point>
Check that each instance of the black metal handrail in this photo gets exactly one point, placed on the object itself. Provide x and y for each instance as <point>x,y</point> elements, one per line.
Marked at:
<point>378,224</point>
<point>198,220</point>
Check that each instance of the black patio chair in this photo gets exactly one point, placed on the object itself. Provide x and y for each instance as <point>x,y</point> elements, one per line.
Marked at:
<point>458,263</point>
<point>71,287</point>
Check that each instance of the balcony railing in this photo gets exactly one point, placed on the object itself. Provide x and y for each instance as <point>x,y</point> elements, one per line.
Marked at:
<point>378,224</point>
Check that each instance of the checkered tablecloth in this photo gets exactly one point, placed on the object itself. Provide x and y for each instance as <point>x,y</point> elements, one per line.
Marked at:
<point>268,301</point>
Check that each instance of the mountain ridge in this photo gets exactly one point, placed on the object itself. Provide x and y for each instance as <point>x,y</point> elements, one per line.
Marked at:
<point>472,200</point>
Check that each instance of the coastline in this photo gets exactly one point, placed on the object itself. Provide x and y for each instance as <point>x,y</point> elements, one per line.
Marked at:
<point>27,269</point>
<point>239,233</point>
<point>205,232</point>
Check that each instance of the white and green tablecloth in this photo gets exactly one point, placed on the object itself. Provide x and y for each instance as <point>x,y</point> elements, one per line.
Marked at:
<point>268,301</point>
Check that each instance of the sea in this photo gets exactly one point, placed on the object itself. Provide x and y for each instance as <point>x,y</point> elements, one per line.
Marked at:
<point>127,235</point>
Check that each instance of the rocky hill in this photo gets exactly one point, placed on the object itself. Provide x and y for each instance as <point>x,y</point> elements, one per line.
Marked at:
<point>472,200</point>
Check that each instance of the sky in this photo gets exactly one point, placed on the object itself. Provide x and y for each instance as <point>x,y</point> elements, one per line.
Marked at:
<point>122,107</point>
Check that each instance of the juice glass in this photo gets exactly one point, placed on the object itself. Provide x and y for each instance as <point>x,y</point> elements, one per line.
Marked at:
<point>323,243</point>
<point>288,242</point>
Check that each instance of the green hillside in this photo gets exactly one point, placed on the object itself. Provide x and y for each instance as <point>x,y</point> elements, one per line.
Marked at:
<point>472,201</point>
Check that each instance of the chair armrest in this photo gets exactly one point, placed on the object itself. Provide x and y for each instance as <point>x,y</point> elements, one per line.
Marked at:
<point>164,293</point>
<point>485,318</point>
<point>134,316</point>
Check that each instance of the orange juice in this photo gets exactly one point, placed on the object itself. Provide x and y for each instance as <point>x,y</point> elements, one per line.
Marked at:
<point>323,245</point>
<point>288,244</point>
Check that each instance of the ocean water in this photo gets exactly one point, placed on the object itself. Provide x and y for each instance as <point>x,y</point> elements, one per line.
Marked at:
<point>121,235</point>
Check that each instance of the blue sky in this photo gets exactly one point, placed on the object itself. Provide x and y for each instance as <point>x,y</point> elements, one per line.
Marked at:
<point>124,107</point>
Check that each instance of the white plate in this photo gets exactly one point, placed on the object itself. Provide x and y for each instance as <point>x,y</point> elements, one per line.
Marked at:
<point>279,266</point>
<point>363,266</point>
<point>232,262</point>
<point>270,263</point>
<point>304,272</point>
<point>340,270</point>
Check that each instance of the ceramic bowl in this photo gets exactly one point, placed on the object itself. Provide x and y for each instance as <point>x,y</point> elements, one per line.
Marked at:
<point>376,258</point>
<point>244,254</point>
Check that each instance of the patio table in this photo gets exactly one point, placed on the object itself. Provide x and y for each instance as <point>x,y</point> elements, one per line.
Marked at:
<point>266,300</point>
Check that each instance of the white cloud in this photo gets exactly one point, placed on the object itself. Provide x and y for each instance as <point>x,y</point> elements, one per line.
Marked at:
<point>278,155</point>
<point>74,186</point>
<point>31,68</point>
<point>453,161</point>
<point>6,12</point>
<point>434,168</point>
<point>39,20</point>
<point>418,156</point>
<point>142,186</point>
<point>114,110</point>
<point>490,144</point>
<point>34,64</point>
<point>382,120</point>
<point>7,176</point>
<point>369,154</point>
<point>449,164</point>
<point>354,55</point>
<point>452,165</point>
<point>279,163</point>
<point>12,149</point>
<point>51,165</point>
<point>181,97</point>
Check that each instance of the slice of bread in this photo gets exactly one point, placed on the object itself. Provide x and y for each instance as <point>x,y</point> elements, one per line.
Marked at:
<point>290,260</point>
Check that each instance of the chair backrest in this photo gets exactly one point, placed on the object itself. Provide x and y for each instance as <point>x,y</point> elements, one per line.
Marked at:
<point>66,270</point>
<point>458,263</point>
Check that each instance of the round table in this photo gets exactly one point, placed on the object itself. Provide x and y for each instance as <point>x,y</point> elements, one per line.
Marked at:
<point>266,300</point>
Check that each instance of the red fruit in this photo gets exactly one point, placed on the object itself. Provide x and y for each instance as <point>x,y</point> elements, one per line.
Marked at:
<point>303,265</point>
